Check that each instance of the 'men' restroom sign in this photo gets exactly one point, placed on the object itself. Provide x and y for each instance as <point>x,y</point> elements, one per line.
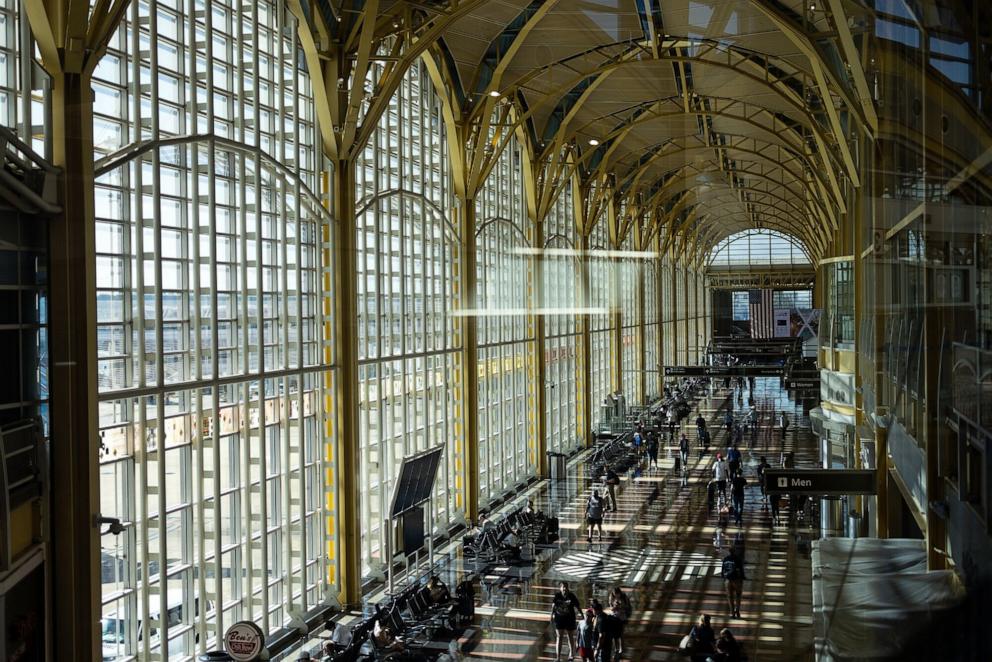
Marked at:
<point>820,481</point>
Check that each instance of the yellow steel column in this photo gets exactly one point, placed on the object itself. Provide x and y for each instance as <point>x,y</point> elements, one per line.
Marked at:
<point>676,359</point>
<point>585,404</point>
<point>75,549</point>
<point>345,537</point>
<point>693,322</point>
<point>617,315</point>
<point>616,365</point>
<point>540,363</point>
<point>682,324</point>
<point>469,453</point>
<point>660,296</point>
<point>701,312</point>
<point>641,393</point>
<point>687,314</point>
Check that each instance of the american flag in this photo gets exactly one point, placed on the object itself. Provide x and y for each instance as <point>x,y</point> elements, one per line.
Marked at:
<point>762,313</point>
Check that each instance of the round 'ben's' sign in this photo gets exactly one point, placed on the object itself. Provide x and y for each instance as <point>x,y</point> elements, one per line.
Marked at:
<point>244,641</point>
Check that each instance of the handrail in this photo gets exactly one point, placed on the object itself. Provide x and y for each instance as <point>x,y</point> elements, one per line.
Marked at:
<point>18,155</point>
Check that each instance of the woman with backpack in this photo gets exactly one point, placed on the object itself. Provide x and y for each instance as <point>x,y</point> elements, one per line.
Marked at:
<point>732,570</point>
<point>594,514</point>
<point>620,604</point>
<point>653,449</point>
<point>564,607</point>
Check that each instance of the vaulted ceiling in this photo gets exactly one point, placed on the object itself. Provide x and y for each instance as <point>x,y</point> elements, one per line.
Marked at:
<point>707,116</point>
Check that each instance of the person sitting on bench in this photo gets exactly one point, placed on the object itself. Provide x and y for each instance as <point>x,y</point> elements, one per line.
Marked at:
<point>384,639</point>
<point>439,590</point>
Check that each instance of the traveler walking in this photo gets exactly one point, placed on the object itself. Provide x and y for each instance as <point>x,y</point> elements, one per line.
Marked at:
<point>733,579</point>
<point>612,480</point>
<point>684,452</point>
<point>728,420</point>
<point>737,485</point>
<point>700,643</point>
<point>587,636</point>
<point>620,605</point>
<point>776,503</point>
<point>727,647</point>
<point>564,607</point>
<point>783,421</point>
<point>607,634</point>
<point>734,460</point>
<point>652,449</point>
<point>720,472</point>
<point>594,514</point>
<point>762,466</point>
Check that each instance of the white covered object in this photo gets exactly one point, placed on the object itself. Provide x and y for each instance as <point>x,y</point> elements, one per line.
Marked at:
<point>873,599</point>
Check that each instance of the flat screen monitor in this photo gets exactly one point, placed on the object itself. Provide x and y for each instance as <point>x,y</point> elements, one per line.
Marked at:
<point>416,480</point>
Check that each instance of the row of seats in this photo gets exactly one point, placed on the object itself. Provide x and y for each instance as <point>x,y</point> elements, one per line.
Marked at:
<point>616,454</point>
<point>488,543</point>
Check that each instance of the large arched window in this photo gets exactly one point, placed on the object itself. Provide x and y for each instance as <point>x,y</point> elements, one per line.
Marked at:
<point>507,351</point>
<point>210,366</point>
<point>759,248</point>
<point>408,341</point>
<point>651,330</point>
<point>629,283</point>
<point>561,328</point>
<point>600,323</point>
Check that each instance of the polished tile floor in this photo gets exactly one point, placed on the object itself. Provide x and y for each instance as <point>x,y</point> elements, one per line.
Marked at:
<point>665,549</point>
<point>662,547</point>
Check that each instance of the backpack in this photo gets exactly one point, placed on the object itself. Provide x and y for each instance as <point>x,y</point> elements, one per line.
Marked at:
<point>612,626</point>
<point>562,605</point>
<point>595,508</point>
<point>731,569</point>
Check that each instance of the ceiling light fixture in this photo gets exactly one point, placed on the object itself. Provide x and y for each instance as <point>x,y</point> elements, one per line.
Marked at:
<point>494,94</point>
<point>593,142</point>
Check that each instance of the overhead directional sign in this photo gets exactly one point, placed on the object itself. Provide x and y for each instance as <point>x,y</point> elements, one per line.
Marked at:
<point>727,340</point>
<point>803,382</point>
<point>820,481</point>
<point>724,370</point>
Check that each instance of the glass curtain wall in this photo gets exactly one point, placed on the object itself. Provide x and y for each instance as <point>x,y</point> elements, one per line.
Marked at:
<point>408,342</point>
<point>209,358</point>
<point>561,328</point>
<point>23,84</point>
<point>758,247</point>
<point>600,324</point>
<point>629,283</point>
<point>507,350</point>
<point>667,312</point>
<point>792,298</point>
<point>651,330</point>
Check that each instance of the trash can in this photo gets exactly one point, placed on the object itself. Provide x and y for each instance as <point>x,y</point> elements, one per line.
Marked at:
<point>854,524</point>
<point>831,517</point>
<point>556,462</point>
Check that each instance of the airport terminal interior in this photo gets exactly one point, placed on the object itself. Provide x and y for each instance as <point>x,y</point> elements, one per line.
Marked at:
<point>438,330</point>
